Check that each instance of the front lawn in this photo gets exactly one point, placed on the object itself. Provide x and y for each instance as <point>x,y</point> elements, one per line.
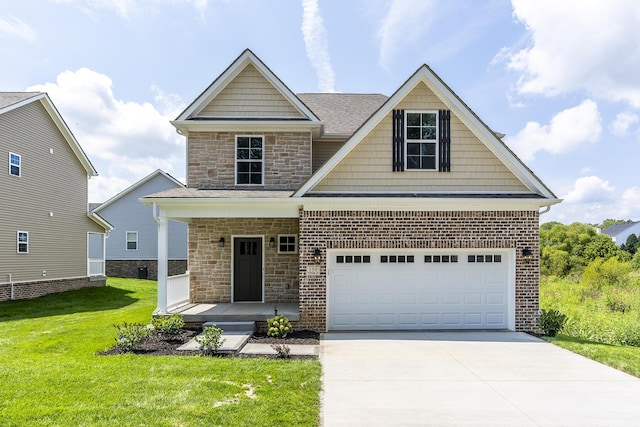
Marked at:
<point>50,373</point>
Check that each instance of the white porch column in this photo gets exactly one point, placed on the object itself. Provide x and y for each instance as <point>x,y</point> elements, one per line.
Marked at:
<point>163,263</point>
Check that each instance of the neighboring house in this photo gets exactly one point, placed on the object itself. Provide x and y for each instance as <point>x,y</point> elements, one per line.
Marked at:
<point>367,212</point>
<point>620,232</point>
<point>45,228</point>
<point>132,246</point>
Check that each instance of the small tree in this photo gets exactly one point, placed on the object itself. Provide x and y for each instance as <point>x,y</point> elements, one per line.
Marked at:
<point>210,341</point>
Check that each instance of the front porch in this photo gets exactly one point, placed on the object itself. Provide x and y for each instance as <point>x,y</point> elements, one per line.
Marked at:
<point>236,312</point>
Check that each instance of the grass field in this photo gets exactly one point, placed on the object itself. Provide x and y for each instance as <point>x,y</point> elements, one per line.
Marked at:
<point>50,373</point>
<point>603,321</point>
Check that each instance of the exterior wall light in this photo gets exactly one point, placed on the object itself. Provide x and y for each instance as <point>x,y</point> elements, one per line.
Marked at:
<point>317,255</point>
<point>272,242</point>
<point>527,254</point>
<point>221,242</point>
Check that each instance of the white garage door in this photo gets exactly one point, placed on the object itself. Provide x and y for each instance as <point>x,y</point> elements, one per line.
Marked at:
<point>386,290</point>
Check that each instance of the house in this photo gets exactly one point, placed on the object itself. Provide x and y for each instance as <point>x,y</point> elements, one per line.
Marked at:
<point>620,232</point>
<point>132,245</point>
<point>45,227</point>
<point>364,212</point>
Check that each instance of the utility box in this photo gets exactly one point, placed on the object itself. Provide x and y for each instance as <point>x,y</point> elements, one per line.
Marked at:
<point>143,272</point>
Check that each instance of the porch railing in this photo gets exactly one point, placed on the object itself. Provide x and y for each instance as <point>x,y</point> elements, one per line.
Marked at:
<point>96,267</point>
<point>177,290</point>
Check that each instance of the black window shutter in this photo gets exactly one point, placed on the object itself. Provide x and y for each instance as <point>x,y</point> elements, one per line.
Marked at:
<point>398,140</point>
<point>445,140</point>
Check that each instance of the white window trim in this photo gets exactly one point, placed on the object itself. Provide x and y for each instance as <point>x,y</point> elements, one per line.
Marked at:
<point>235,161</point>
<point>18,242</point>
<point>420,141</point>
<point>19,165</point>
<point>126,238</point>
<point>295,249</point>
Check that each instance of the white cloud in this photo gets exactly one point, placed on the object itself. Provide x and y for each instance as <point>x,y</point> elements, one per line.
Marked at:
<point>404,23</point>
<point>590,189</point>
<point>14,27</point>
<point>620,126</point>
<point>577,45</point>
<point>569,129</point>
<point>317,45</point>
<point>124,140</point>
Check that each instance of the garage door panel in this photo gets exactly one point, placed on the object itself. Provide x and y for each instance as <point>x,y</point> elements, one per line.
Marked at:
<point>403,294</point>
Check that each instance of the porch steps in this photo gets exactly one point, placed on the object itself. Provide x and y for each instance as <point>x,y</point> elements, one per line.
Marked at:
<point>235,335</point>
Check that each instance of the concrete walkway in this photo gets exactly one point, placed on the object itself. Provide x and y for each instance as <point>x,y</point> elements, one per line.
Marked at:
<point>468,378</point>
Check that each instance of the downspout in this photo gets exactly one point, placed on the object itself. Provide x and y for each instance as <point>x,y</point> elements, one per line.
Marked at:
<point>547,209</point>
<point>13,293</point>
<point>155,215</point>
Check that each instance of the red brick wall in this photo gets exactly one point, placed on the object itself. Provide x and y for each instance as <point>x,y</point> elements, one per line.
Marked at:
<point>28,290</point>
<point>210,266</point>
<point>211,159</point>
<point>385,229</point>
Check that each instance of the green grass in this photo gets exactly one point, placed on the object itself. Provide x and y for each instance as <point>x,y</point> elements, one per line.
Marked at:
<point>603,321</point>
<point>624,358</point>
<point>50,374</point>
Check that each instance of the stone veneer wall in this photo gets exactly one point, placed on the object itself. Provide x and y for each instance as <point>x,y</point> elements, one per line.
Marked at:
<point>27,290</point>
<point>211,159</point>
<point>129,267</point>
<point>210,267</point>
<point>386,229</point>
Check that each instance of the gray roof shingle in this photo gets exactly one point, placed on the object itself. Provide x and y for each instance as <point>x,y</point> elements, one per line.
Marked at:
<point>342,113</point>
<point>10,98</point>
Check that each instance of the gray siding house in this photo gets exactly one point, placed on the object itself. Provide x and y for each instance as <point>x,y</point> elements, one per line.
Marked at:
<point>132,246</point>
<point>45,227</point>
<point>620,232</point>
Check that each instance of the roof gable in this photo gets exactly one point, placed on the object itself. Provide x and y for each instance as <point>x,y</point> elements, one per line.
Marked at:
<point>224,97</point>
<point>13,100</point>
<point>445,96</point>
<point>154,175</point>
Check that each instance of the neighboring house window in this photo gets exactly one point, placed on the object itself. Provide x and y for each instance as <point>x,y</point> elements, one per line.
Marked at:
<point>23,242</point>
<point>132,240</point>
<point>288,243</point>
<point>422,140</point>
<point>15,164</point>
<point>249,160</point>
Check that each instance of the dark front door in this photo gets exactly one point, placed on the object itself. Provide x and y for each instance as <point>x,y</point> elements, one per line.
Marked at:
<point>247,269</point>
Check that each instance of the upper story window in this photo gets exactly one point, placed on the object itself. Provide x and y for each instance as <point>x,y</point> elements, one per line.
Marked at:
<point>23,242</point>
<point>249,160</point>
<point>132,240</point>
<point>421,140</point>
<point>15,164</point>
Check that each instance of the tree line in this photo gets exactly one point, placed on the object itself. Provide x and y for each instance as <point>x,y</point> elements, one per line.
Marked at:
<point>567,250</point>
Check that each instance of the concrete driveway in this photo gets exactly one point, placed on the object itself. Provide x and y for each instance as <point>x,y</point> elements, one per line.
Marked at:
<point>468,378</point>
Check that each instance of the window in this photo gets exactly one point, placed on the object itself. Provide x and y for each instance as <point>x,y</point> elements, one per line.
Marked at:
<point>132,240</point>
<point>288,244</point>
<point>249,160</point>
<point>353,259</point>
<point>422,140</point>
<point>15,164</point>
<point>23,242</point>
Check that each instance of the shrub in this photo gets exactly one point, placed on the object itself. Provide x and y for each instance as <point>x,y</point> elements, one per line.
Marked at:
<point>551,322</point>
<point>168,326</point>
<point>278,326</point>
<point>608,273</point>
<point>210,341</point>
<point>616,303</point>
<point>130,335</point>
<point>282,351</point>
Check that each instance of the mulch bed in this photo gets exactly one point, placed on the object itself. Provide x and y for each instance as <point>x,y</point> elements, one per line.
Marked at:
<point>157,345</point>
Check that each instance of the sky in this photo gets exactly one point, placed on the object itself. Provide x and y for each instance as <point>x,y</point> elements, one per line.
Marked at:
<point>560,78</point>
